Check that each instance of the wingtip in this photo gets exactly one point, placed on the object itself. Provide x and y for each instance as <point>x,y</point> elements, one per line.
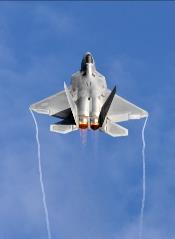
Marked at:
<point>65,86</point>
<point>146,114</point>
<point>33,108</point>
<point>30,108</point>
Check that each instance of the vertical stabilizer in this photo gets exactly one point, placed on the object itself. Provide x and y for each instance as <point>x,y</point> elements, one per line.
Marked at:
<point>105,107</point>
<point>72,104</point>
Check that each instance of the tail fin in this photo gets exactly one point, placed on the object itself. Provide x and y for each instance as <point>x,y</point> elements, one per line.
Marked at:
<point>105,107</point>
<point>114,130</point>
<point>72,104</point>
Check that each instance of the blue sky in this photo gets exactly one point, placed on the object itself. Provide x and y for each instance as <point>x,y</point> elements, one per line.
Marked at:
<point>93,191</point>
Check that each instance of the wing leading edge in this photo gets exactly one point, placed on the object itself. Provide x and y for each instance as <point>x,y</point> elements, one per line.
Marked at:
<point>120,110</point>
<point>57,105</point>
<point>52,105</point>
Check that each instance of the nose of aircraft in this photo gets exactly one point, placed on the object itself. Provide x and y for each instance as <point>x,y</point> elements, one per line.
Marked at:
<point>88,58</point>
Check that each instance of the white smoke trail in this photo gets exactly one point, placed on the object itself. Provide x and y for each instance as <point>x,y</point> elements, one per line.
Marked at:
<point>143,181</point>
<point>41,179</point>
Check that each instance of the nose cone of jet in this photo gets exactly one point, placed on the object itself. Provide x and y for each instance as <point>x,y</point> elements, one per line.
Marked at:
<point>88,53</point>
<point>88,58</point>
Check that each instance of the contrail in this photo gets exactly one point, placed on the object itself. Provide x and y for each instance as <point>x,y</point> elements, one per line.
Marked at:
<point>41,179</point>
<point>143,181</point>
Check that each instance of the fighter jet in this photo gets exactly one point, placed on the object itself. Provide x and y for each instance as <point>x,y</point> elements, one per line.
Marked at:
<point>87,103</point>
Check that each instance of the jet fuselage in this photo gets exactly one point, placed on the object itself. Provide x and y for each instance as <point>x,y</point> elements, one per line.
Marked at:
<point>88,89</point>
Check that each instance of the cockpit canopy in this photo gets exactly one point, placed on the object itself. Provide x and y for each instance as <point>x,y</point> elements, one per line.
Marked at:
<point>86,60</point>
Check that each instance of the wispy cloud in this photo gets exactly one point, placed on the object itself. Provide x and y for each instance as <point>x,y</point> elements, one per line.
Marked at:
<point>49,20</point>
<point>91,192</point>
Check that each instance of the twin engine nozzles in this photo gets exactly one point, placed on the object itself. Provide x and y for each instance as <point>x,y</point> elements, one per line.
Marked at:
<point>85,123</point>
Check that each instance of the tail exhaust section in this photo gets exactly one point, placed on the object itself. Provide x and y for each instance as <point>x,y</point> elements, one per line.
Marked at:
<point>94,123</point>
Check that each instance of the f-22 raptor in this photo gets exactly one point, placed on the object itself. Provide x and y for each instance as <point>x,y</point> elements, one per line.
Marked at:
<point>88,104</point>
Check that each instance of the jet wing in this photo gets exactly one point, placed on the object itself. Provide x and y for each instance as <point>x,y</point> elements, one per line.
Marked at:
<point>52,105</point>
<point>122,110</point>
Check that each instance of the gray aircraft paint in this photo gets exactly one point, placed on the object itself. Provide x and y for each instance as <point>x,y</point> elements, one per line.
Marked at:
<point>82,104</point>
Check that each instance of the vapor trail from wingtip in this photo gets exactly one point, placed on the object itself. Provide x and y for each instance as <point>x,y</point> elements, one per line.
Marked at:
<point>41,178</point>
<point>143,181</point>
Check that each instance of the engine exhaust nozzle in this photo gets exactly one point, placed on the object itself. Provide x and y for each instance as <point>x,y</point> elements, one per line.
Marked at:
<point>83,123</point>
<point>94,124</point>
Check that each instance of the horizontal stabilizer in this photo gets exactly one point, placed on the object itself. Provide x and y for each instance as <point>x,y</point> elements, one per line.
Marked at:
<point>113,129</point>
<point>62,129</point>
